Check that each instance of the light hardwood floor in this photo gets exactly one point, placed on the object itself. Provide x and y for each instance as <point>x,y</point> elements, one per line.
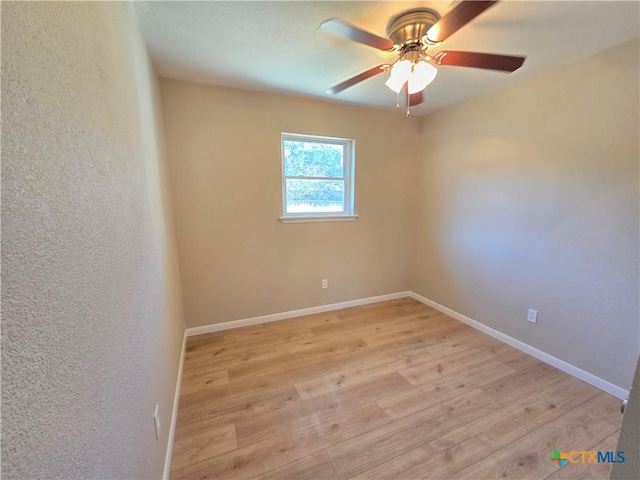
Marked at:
<point>391,390</point>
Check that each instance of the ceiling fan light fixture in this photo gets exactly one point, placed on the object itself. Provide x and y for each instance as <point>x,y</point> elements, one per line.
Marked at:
<point>417,74</point>
<point>400,74</point>
<point>422,75</point>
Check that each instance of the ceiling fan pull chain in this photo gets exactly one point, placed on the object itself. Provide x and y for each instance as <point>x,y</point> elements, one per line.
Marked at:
<point>406,91</point>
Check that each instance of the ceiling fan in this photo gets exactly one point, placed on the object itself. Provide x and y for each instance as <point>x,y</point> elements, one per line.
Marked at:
<point>410,35</point>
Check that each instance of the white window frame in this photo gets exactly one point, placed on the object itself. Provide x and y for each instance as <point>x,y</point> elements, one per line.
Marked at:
<point>349,180</point>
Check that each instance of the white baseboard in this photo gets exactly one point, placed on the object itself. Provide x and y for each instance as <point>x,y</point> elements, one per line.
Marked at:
<point>174,413</point>
<point>572,370</point>
<point>217,327</point>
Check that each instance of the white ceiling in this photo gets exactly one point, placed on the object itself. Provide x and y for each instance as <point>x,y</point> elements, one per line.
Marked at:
<point>275,46</point>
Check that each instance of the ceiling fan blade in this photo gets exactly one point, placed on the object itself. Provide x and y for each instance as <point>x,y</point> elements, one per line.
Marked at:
<point>340,28</point>
<point>372,72</point>
<point>415,99</point>
<point>457,18</point>
<point>411,99</point>
<point>504,63</point>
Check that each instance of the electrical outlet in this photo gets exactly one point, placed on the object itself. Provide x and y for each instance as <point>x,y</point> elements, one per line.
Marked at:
<point>156,421</point>
<point>325,283</point>
<point>532,316</point>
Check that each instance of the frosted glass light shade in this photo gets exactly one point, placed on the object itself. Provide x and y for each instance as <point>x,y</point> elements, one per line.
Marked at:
<point>417,75</point>
<point>422,75</point>
<point>400,73</point>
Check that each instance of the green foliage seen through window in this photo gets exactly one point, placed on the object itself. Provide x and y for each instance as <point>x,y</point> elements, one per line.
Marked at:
<point>312,159</point>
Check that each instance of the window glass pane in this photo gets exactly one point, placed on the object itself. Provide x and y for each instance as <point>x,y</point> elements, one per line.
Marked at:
<point>316,196</point>
<point>311,159</point>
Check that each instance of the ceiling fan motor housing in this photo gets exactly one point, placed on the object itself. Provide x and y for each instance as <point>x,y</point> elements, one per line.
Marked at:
<point>411,27</point>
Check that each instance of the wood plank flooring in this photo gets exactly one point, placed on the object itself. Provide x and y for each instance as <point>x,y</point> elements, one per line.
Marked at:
<point>392,390</point>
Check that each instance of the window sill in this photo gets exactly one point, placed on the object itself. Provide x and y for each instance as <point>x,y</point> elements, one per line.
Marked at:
<point>318,218</point>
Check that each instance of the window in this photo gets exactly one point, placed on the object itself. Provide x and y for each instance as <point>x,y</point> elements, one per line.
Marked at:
<point>317,178</point>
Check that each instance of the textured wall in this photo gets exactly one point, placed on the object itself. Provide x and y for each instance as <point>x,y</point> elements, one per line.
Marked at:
<point>529,198</point>
<point>91,308</point>
<point>236,259</point>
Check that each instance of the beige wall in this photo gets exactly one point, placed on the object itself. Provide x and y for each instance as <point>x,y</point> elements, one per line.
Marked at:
<point>91,310</point>
<point>529,199</point>
<point>236,259</point>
